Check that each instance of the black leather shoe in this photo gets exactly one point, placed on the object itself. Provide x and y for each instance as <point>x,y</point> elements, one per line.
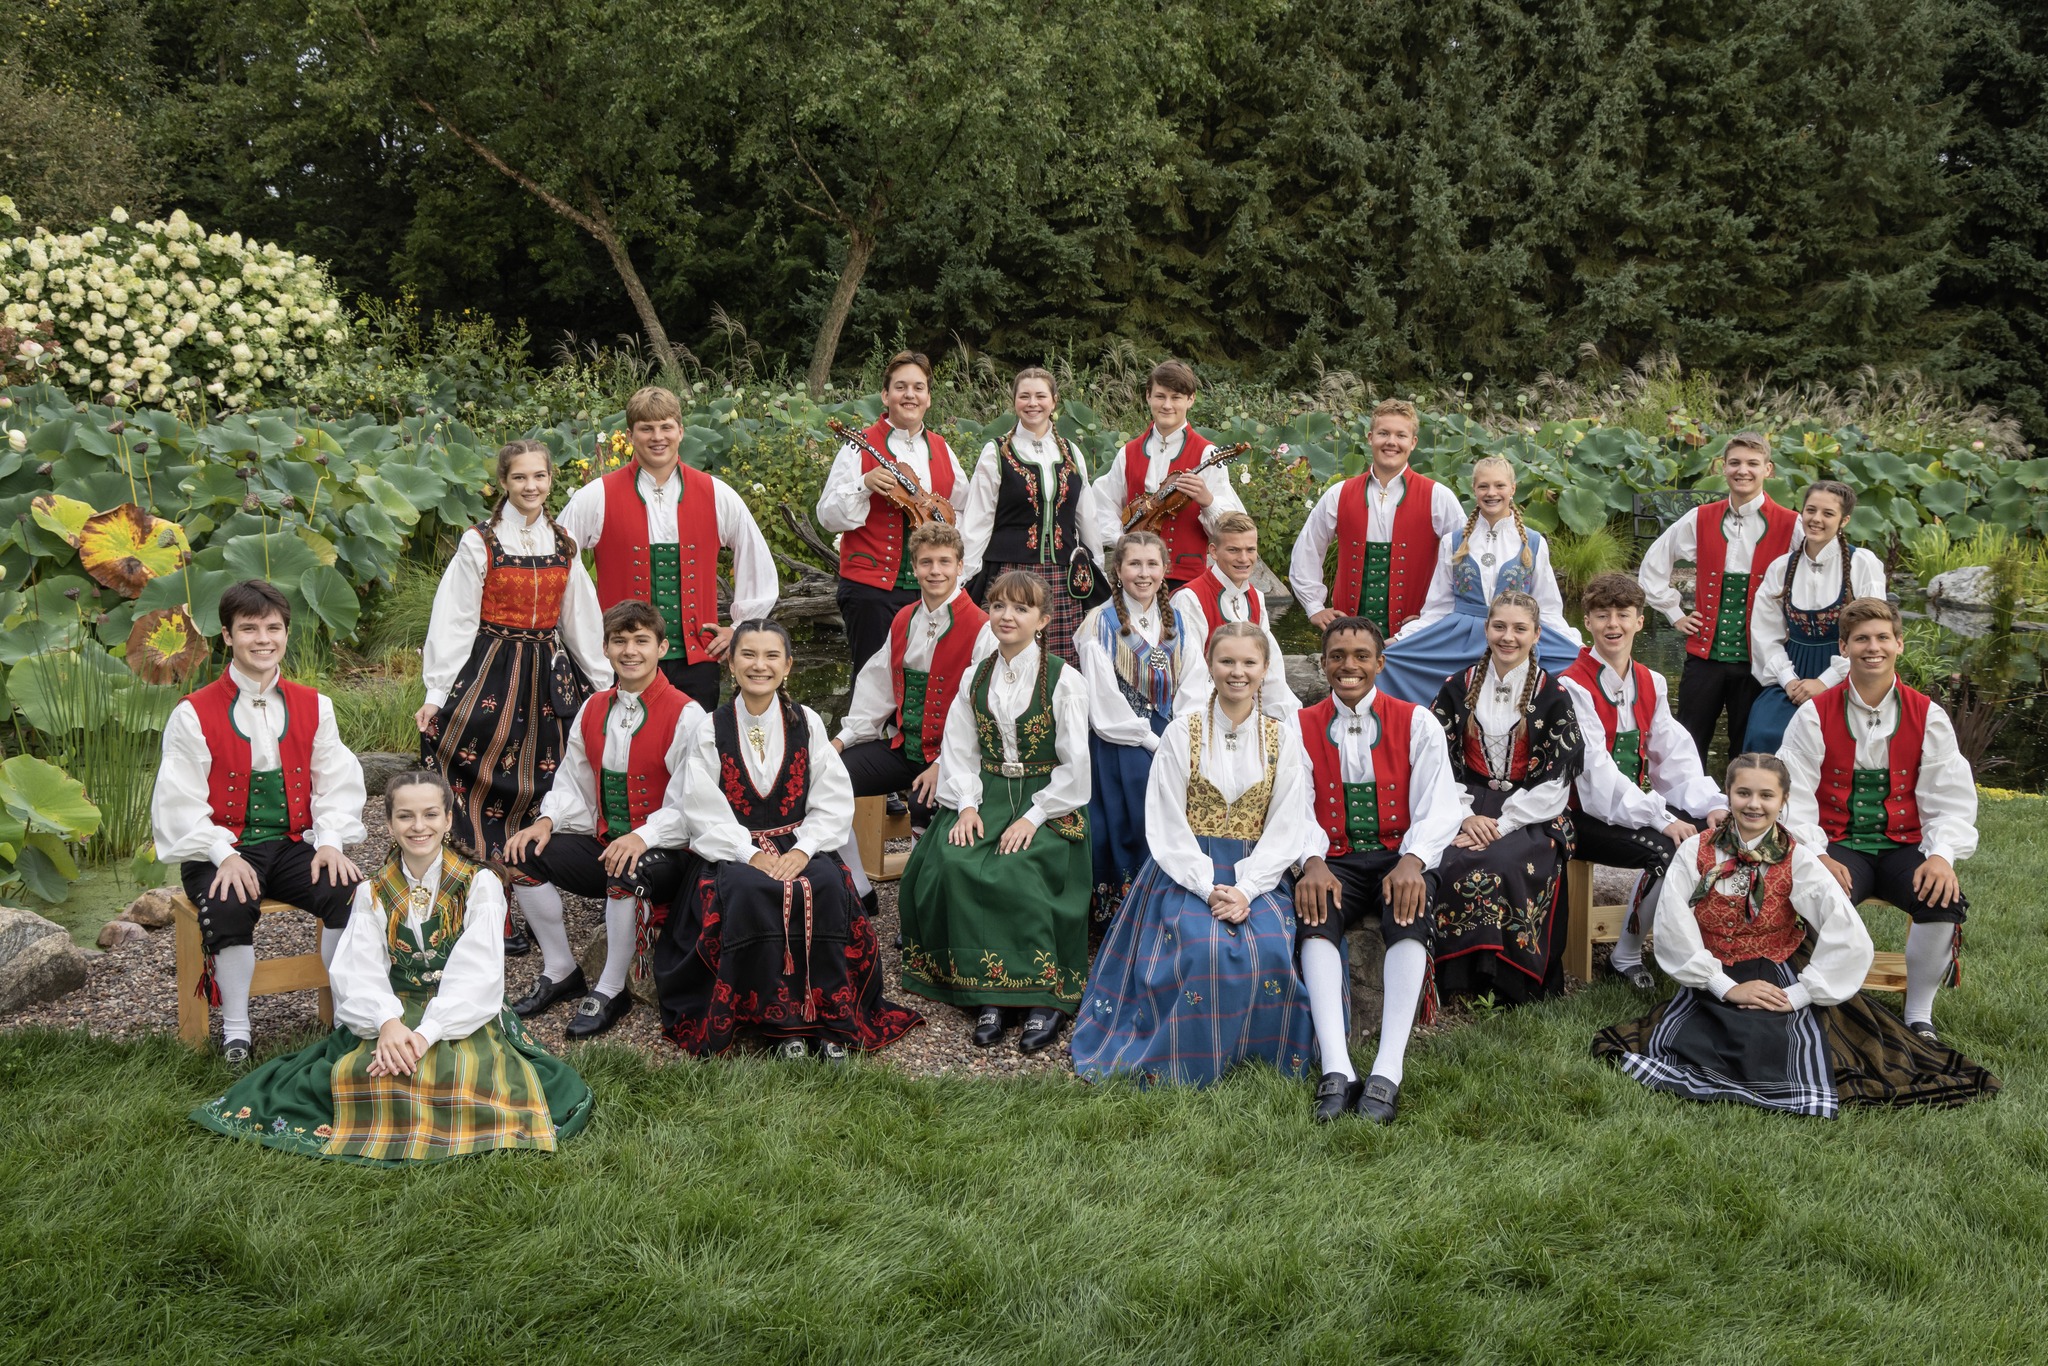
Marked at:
<point>1924,1029</point>
<point>1637,975</point>
<point>595,1014</point>
<point>1335,1094</point>
<point>517,945</point>
<point>1379,1099</point>
<point>1041,1027</point>
<point>832,1051</point>
<point>235,1052</point>
<point>545,993</point>
<point>896,806</point>
<point>988,1027</point>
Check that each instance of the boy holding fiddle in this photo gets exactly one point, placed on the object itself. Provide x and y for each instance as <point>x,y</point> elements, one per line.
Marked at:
<point>1166,455</point>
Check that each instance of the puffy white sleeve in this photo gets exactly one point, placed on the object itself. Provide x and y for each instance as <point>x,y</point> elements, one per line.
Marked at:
<point>1802,751</point>
<point>1289,815</point>
<point>1769,664</point>
<point>754,585</point>
<point>1549,601</point>
<point>1168,838</point>
<point>180,811</point>
<point>1305,565</point>
<point>1224,493</point>
<point>582,627</point>
<point>873,704</point>
<point>1680,541</point>
<point>843,504</point>
<point>1681,951</point>
<point>1109,503</point>
<point>1947,792</point>
<point>1441,597</point>
<point>360,975</point>
<point>1069,787</point>
<point>1841,941</point>
<point>471,992</point>
<point>1866,580</point>
<point>567,803</point>
<point>338,788</point>
<point>828,804</point>
<point>667,827</point>
<point>1675,769</point>
<point>1109,713</point>
<point>583,516</point>
<point>960,753</point>
<point>978,515</point>
<point>1604,791</point>
<point>1089,516</point>
<point>1446,513</point>
<point>1436,800</point>
<point>458,609</point>
<point>715,833</point>
<point>1276,698</point>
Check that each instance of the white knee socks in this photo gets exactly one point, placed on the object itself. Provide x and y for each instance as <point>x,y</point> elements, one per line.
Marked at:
<point>233,971</point>
<point>542,906</point>
<point>1928,955</point>
<point>1322,972</point>
<point>850,852</point>
<point>1628,948</point>
<point>1407,968</point>
<point>621,938</point>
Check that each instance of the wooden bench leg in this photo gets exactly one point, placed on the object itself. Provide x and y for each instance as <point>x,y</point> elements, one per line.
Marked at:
<point>323,1006</point>
<point>1578,944</point>
<point>190,952</point>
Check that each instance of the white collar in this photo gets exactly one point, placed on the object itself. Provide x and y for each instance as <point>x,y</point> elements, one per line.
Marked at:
<point>249,686</point>
<point>1023,433</point>
<point>431,879</point>
<point>1856,698</point>
<point>1743,509</point>
<point>1608,671</point>
<point>1220,724</point>
<point>747,716</point>
<point>1224,579</point>
<point>1025,663</point>
<point>1385,485</point>
<point>1504,527</point>
<point>1163,437</point>
<point>1750,843</point>
<point>923,610</point>
<point>645,481</point>
<point>1363,708</point>
<point>905,432</point>
<point>1514,677</point>
<point>1828,553</point>
<point>1131,610</point>
<point>632,698</point>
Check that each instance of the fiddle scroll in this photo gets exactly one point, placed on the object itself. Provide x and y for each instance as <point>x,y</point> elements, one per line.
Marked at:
<point>917,503</point>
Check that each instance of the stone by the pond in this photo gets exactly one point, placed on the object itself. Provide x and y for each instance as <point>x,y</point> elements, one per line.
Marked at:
<point>1971,588</point>
<point>1305,677</point>
<point>151,910</point>
<point>1365,954</point>
<point>117,932</point>
<point>591,959</point>
<point>37,960</point>
<point>380,768</point>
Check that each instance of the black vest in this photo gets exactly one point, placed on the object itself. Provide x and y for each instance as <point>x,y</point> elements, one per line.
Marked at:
<point>1016,535</point>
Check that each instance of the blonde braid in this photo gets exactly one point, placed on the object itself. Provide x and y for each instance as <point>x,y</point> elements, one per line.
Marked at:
<point>1465,541</point>
<point>1528,553</point>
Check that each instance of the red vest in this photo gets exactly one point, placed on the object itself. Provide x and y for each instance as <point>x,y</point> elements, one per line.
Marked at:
<point>624,572</point>
<point>872,553</point>
<point>1711,557</point>
<point>1585,671</point>
<point>1838,763</point>
<point>647,772</point>
<point>1187,544</point>
<point>1208,591</point>
<point>1390,769</point>
<point>1726,929</point>
<point>1412,563</point>
<point>952,657</point>
<point>227,779</point>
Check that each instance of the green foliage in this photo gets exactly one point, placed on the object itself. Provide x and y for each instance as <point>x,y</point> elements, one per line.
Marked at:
<point>1934,550</point>
<point>42,810</point>
<point>74,77</point>
<point>1578,558</point>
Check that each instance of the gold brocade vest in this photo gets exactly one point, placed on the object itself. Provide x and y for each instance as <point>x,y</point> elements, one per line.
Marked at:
<point>1210,815</point>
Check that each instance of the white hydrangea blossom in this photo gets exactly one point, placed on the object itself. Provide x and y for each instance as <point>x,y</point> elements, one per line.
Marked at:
<point>163,312</point>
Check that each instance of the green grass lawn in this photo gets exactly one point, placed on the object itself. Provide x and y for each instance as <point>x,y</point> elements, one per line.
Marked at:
<point>1531,1205</point>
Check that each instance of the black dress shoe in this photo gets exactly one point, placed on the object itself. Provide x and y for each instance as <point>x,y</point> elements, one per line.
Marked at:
<point>1636,975</point>
<point>545,993</point>
<point>1925,1029</point>
<point>988,1027</point>
<point>1379,1099</point>
<point>1041,1027</point>
<point>235,1052</point>
<point>517,945</point>
<point>595,1014</point>
<point>896,806</point>
<point>1335,1094</point>
<point>832,1051</point>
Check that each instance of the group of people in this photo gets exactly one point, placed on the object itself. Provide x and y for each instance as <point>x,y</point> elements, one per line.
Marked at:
<point>1125,819</point>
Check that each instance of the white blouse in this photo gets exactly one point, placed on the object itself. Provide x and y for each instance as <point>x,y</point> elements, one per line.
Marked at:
<point>1109,711</point>
<point>1841,950</point>
<point>1196,687</point>
<point>1289,813</point>
<point>471,992</point>
<point>1160,452</point>
<point>1503,541</point>
<point>754,585</point>
<point>458,606</point>
<point>985,486</point>
<point>1434,809</point>
<point>1498,714</point>
<point>845,502</point>
<point>1742,526</point>
<point>181,810</point>
<point>1818,585</point>
<point>572,801</point>
<point>960,775</point>
<point>871,713</point>
<point>1946,792</point>
<point>1677,781</point>
<point>1382,501</point>
<point>716,833</point>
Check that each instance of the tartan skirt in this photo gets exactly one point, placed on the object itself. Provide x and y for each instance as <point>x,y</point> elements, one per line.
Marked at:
<point>1177,996</point>
<point>496,1089</point>
<point>1063,610</point>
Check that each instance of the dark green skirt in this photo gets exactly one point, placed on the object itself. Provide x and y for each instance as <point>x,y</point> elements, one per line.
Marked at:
<point>983,928</point>
<point>497,1089</point>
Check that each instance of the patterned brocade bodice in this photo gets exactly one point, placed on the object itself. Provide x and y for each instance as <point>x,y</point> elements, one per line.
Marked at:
<point>524,592</point>
<point>1208,813</point>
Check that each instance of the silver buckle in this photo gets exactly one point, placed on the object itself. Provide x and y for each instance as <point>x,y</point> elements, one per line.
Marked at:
<point>1011,770</point>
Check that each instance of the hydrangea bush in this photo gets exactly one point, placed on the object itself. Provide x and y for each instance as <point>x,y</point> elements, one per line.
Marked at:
<point>165,314</point>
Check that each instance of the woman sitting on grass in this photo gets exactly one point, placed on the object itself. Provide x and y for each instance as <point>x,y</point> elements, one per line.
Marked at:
<point>425,1062</point>
<point>1760,1016</point>
<point>1197,974</point>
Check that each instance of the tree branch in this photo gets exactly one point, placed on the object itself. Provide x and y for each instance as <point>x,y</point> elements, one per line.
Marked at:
<point>838,214</point>
<point>512,173</point>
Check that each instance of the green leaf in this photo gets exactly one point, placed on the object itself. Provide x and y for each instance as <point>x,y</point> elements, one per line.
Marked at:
<point>40,877</point>
<point>281,558</point>
<point>59,694</point>
<point>1947,497</point>
<point>46,798</point>
<point>332,600</point>
<point>39,637</point>
<point>1582,509</point>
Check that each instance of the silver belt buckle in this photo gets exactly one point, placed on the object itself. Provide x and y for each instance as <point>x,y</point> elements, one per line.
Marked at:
<point>1011,770</point>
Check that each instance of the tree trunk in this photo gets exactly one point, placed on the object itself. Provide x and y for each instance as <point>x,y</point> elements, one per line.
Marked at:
<point>622,262</point>
<point>860,248</point>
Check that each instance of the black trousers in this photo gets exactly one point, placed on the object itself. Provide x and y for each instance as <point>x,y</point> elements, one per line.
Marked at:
<point>1361,873</point>
<point>284,872</point>
<point>878,768</point>
<point>1627,846</point>
<point>574,864</point>
<point>1889,878</point>
<point>1705,690</point>
<point>867,612</point>
<point>698,681</point>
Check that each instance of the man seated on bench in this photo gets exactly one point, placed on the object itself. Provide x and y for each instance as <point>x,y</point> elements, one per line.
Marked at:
<point>1642,793</point>
<point>256,797</point>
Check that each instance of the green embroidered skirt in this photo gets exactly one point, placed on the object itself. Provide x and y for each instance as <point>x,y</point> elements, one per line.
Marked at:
<point>983,928</point>
<point>496,1089</point>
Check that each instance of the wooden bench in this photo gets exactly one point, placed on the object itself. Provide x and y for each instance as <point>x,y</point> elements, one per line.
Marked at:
<point>1588,925</point>
<point>873,828</point>
<point>295,972</point>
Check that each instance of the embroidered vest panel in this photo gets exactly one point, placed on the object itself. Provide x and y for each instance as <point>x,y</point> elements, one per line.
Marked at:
<point>1838,772</point>
<point>1022,532</point>
<point>679,580</point>
<point>525,592</point>
<point>1187,544</point>
<point>1710,561</point>
<point>645,780</point>
<point>1391,768</point>
<point>1147,676</point>
<point>1632,759</point>
<point>416,968</point>
<point>872,553</point>
<point>952,656</point>
<point>1817,625</point>
<point>229,777</point>
<point>1725,925</point>
<point>1470,587</point>
<point>784,803</point>
<point>1209,814</point>
<point>1037,725</point>
<point>1409,558</point>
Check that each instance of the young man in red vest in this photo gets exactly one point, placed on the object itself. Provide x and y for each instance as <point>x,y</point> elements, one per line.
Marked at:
<point>1386,809</point>
<point>876,577</point>
<point>1730,541</point>
<point>1642,792</point>
<point>1166,453</point>
<point>1386,524</point>
<point>1223,593</point>
<point>1879,782</point>
<point>890,735</point>
<point>256,797</point>
<point>655,528</point>
<point>611,826</point>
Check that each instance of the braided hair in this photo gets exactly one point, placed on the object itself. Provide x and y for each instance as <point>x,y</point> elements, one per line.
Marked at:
<point>508,453</point>
<point>1132,540</point>
<point>1491,462</point>
<point>1515,598</point>
<point>1844,495</point>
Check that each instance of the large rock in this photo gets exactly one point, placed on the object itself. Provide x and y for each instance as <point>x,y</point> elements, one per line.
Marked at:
<point>379,769</point>
<point>152,910</point>
<point>1973,588</point>
<point>1365,955</point>
<point>37,960</point>
<point>117,932</point>
<point>591,959</point>
<point>1305,677</point>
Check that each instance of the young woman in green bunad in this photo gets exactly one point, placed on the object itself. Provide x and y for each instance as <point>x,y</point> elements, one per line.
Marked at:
<point>425,1061</point>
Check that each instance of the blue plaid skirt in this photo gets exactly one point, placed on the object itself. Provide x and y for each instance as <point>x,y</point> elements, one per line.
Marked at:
<point>1178,996</point>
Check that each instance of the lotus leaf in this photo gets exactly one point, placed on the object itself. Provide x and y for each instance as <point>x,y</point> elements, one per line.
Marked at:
<point>46,798</point>
<point>125,548</point>
<point>60,516</point>
<point>166,646</point>
<point>331,599</point>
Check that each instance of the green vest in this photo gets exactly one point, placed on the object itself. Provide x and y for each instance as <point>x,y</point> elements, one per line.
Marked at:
<point>618,811</point>
<point>665,567</point>
<point>1731,622</point>
<point>1628,755</point>
<point>906,572</point>
<point>264,819</point>
<point>912,715</point>
<point>1372,597</point>
<point>1867,822</point>
<point>1362,815</point>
